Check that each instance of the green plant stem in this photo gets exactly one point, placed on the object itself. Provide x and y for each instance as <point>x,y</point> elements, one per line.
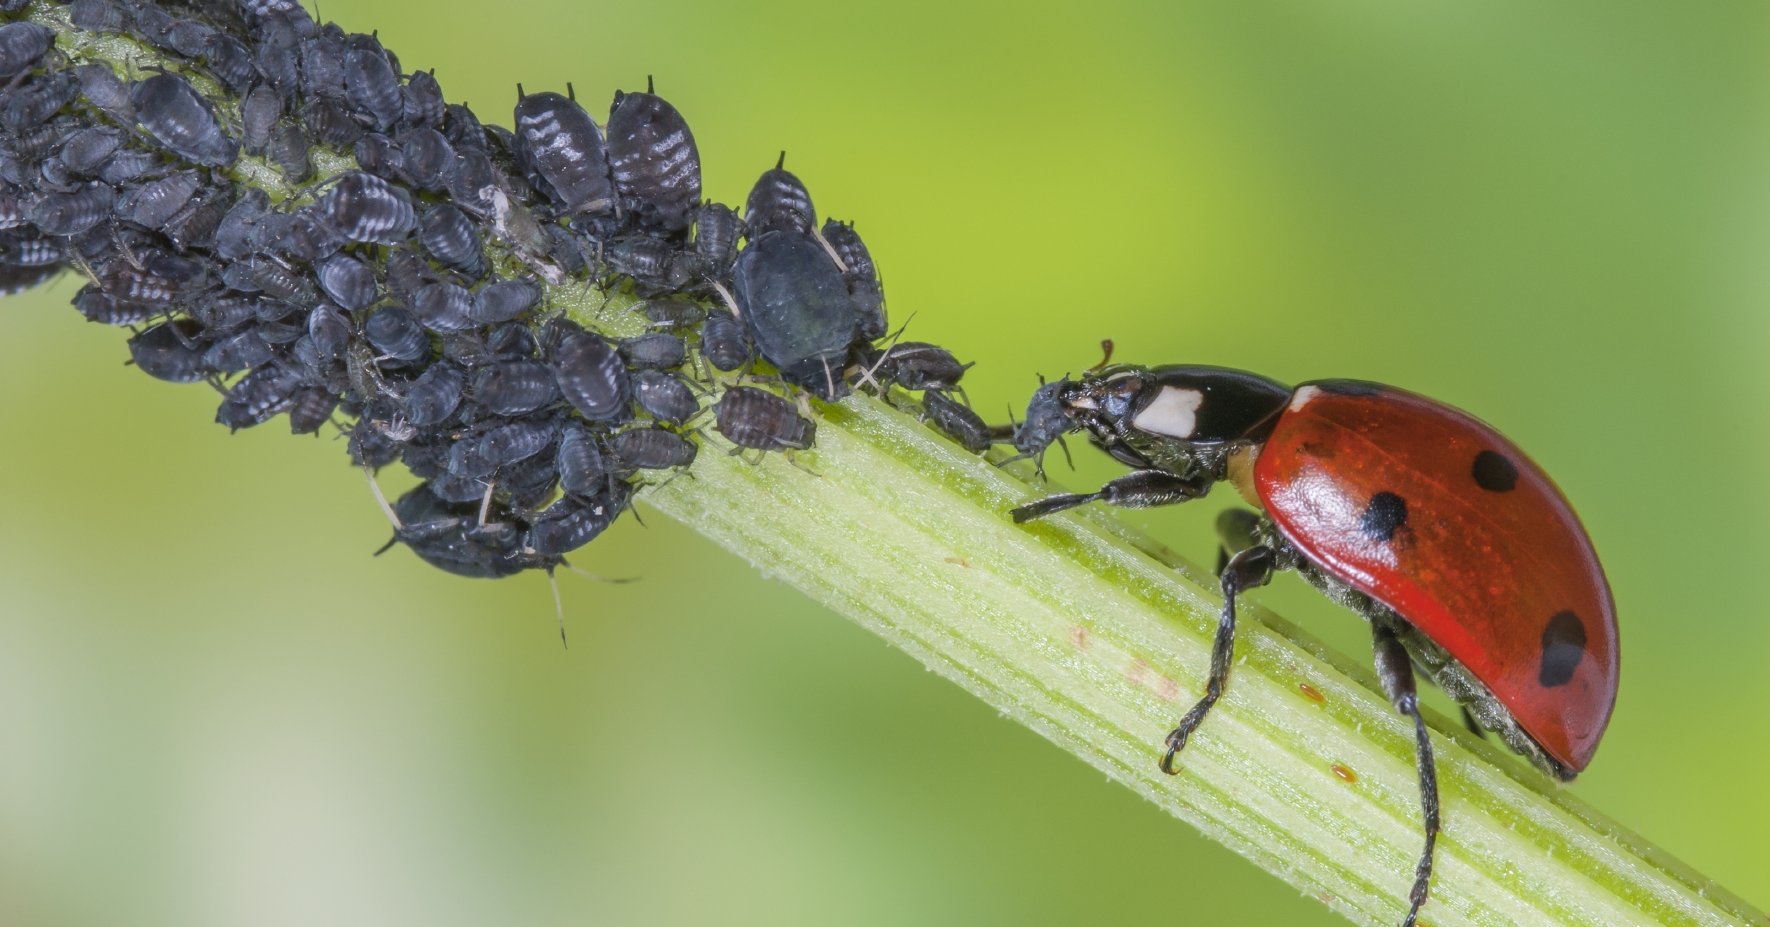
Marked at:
<point>1098,639</point>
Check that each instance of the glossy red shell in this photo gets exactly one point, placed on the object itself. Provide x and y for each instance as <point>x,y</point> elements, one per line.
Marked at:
<point>1488,561</point>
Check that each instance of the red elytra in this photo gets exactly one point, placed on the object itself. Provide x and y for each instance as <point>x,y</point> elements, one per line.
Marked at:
<point>1491,562</point>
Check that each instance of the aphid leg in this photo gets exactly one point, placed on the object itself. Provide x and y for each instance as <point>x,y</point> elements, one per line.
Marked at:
<point>829,249</point>
<point>558,607</point>
<point>1395,670</point>
<point>485,503</point>
<point>1139,489</point>
<point>1248,569</point>
<point>725,295</point>
<point>381,499</point>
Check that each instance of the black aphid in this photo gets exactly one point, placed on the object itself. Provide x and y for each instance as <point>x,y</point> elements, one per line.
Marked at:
<point>32,105</point>
<point>956,420</point>
<point>717,229</point>
<point>350,281</point>
<point>574,521</point>
<point>504,300</point>
<point>796,307</point>
<point>652,449</point>
<point>653,161</point>
<point>98,306</point>
<point>22,45</point>
<point>259,113</point>
<point>230,61</point>
<point>451,537</point>
<point>724,342</point>
<point>752,418</point>
<point>779,202</point>
<point>310,408</point>
<point>422,103</point>
<point>426,158</point>
<point>583,468</point>
<point>155,203</point>
<point>288,153</point>
<point>673,313</point>
<point>515,387</point>
<point>166,352</point>
<point>104,89</point>
<point>74,212</point>
<point>397,335</point>
<point>368,209</point>
<point>443,308</point>
<point>182,121</point>
<point>450,238</point>
<point>435,395</point>
<point>657,351</point>
<point>559,144</point>
<point>589,372</point>
<point>237,352</point>
<point>258,397</point>
<point>915,365</point>
<point>862,279</point>
<point>373,86</point>
<point>664,396</point>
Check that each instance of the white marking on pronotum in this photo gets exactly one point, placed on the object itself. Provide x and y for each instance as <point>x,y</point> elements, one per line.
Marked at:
<point>1173,413</point>
<point>1302,397</point>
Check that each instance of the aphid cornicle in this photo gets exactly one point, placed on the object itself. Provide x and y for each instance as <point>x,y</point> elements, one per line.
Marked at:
<point>1462,554</point>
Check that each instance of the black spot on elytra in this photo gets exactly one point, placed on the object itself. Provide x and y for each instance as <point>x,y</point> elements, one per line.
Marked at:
<point>1494,473</point>
<point>1348,387</point>
<point>1384,516</point>
<point>1564,645</point>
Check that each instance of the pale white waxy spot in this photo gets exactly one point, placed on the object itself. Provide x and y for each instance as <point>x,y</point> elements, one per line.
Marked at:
<point>1173,413</point>
<point>1303,396</point>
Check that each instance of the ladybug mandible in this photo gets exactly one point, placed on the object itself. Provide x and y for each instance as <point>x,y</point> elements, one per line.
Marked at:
<point>1462,554</point>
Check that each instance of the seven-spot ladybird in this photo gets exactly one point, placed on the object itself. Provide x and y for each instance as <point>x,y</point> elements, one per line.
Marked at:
<point>1462,554</point>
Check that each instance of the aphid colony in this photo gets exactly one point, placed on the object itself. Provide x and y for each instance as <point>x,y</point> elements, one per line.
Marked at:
<point>404,301</point>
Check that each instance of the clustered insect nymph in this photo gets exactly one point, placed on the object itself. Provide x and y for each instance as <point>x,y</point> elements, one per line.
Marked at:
<point>403,299</point>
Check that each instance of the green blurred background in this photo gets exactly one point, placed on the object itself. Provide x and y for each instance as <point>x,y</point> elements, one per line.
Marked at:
<point>216,708</point>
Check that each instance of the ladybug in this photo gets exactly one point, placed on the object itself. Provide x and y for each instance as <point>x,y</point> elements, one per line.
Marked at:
<point>1462,554</point>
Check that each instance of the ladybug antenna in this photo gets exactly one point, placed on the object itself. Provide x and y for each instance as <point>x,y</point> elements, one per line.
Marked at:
<point>1106,347</point>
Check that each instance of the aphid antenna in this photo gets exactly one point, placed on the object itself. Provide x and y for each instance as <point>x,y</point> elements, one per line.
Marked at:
<point>829,249</point>
<point>890,342</point>
<point>597,577</point>
<point>726,297</point>
<point>558,607</point>
<point>485,502</point>
<point>386,509</point>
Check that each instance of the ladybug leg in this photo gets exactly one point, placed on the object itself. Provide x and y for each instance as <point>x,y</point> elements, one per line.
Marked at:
<point>1395,670</point>
<point>1470,723</point>
<point>1138,489</point>
<point>1238,530</point>
<point>1248,569</point>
